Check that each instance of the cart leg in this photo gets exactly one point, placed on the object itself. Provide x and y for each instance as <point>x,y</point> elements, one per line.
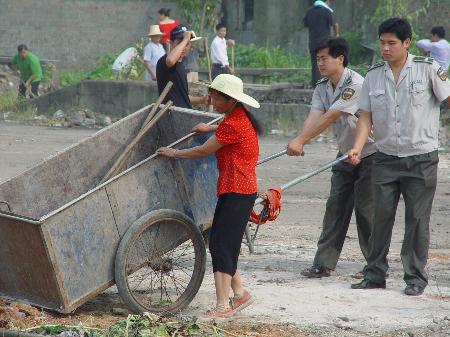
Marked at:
<point>248,237</point>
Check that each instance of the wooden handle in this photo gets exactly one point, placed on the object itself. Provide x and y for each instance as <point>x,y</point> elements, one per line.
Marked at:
<point>208,59</point>
<point>157,103</point>
<point>232,57</point>
<point>120,162</point>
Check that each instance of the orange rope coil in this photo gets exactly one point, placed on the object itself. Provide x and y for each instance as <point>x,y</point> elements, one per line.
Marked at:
<point>272,207</point>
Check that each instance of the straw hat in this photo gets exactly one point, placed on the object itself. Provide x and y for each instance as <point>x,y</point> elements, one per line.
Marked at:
<point>232,86</point>
<point>154,30</point>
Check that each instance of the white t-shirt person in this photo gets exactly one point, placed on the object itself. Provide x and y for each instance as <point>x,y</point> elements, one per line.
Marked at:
<point>152,53</point>
<point>219,51</point>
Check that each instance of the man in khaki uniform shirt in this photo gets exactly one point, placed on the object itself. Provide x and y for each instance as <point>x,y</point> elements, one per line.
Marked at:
<point>400,100</point>
<point>334,103</point>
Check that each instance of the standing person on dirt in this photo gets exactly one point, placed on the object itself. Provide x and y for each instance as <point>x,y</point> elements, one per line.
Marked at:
<point>153,51</point>
<point>399,101</point>
<point>219,56</point>
<point>166,24</point>
<point>171,68</point>
<point>319,18</point>
<point>334,104</point>
<point>235,144</point>
<point>30,70</point>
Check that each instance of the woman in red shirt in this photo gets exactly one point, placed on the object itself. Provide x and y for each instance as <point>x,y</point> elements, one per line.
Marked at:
<point>235,144</point>
<point>166,24</point>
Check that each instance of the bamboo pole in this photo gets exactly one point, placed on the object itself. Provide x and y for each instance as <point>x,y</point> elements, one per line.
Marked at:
<point>120,162</point>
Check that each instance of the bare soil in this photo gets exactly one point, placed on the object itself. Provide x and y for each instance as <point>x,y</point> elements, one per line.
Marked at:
<point>286,303</point>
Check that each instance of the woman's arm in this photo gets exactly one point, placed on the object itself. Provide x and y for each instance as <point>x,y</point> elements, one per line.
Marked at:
<point>201,151</point>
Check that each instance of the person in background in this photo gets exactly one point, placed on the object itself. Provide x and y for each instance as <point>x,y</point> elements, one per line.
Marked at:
<point>153,51</point>
<point>30,70</point>
<point>318,19</point>
<point>170,67</point>
<point>166,24</point>
<point>438,47</point>
<point>219,56</point>
<point>235,145</point>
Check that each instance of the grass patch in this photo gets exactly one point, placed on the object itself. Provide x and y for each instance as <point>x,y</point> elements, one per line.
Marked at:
<point>13,107</point>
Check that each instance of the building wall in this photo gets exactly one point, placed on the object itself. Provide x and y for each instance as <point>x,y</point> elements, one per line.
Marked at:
<point>75,32</point>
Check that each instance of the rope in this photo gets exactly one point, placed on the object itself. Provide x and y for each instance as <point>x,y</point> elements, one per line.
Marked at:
<point>272,207</point>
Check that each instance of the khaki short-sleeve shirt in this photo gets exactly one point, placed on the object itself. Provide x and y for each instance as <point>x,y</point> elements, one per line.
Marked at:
<point>344,98</point>
<point>405,115</point>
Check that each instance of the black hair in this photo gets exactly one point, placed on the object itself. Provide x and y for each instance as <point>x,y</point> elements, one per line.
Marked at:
<point>400,27</point>
<point>439,31</point>
<point>21,47</point>
<point>337,46</point>
<point>164,11</point>
<point>255,123</point>
<point>220,26</point>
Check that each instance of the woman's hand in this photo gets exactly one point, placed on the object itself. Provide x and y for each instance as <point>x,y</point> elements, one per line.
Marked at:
<point>201,128</point>
<point>167,152</point>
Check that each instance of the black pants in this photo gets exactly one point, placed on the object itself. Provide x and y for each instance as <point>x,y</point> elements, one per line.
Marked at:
<point>228,227</point>
<point>315,73</point>
<point>217,69</point>
<point>351,188</point>
<point>415,177</point>
<point>34,89</point>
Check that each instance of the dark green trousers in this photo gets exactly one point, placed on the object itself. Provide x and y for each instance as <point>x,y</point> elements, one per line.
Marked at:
<point>414,177</point>
<point>351,188</point>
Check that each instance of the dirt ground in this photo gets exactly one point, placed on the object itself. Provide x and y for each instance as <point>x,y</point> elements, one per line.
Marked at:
<point>286,303</point>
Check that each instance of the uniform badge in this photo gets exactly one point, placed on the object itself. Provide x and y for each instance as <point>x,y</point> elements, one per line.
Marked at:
<point>441,74</point>
<point>347,94</point>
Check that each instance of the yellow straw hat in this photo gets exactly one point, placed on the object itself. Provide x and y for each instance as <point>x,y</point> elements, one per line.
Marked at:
<point>154,30</point>
<point>232,86</point>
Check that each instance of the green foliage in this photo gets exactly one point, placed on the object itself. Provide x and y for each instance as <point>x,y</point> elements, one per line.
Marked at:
<point>16,107</point>
<point>103,69</point>
<point>356,50</point>
<point>201,15</point>
<point>145,325</point>
<point>250,56</point>
<point>400,8</point>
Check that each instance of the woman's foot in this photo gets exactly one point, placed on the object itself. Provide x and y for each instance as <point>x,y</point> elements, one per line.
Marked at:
<point>219,313</point>
<point>241,302</point>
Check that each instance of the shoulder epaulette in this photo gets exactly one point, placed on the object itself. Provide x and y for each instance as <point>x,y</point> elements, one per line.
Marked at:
<point>322,80</point>
<point>423,59</point>
<point>376,65</point>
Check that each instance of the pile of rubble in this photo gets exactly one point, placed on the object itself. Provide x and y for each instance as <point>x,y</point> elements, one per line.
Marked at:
<point>18,315</point>
<point>75,116</point>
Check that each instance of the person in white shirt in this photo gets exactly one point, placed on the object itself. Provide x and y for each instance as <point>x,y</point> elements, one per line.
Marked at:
<point>219,57</point>
<point>153,51</point>
<point>438,47</point>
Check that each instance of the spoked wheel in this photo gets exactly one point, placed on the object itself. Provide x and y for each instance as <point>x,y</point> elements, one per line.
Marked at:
<point>160,262</point>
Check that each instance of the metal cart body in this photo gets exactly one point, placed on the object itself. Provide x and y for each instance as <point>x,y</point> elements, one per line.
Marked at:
<point>59,239</point>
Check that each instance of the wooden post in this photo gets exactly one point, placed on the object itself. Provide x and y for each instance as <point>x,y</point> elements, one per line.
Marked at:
<point>232,58</point>
<point>208,59</point>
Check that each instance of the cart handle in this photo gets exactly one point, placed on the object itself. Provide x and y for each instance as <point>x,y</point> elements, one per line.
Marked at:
<point>308,175</point>
<point>275,155</point>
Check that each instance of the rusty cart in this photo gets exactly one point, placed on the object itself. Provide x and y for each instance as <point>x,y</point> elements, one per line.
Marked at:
<point>66,237</point>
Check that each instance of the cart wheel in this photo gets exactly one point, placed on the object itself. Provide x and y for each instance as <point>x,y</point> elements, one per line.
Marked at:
<point>160,262</point>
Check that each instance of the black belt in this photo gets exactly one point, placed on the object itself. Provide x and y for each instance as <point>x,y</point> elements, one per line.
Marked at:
<point>218,65</point>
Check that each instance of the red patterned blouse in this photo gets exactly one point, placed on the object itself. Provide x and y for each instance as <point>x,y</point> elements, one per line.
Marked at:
<point>236,160</point>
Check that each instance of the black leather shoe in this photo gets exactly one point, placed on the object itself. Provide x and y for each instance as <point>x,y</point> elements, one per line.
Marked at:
<point>366,284</point>
<point>414,290</point>
<point>316,272</point>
